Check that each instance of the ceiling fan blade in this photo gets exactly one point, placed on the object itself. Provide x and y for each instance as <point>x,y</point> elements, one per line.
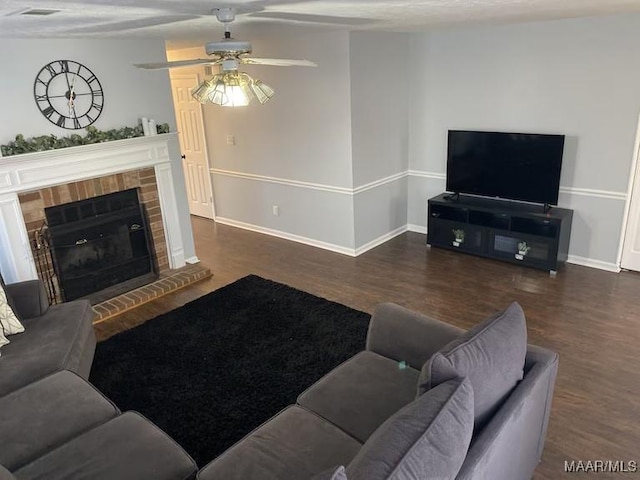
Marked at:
<point>177,64</point>
<point>278,62</point>
<point>132,24</point>
<point>311,18</point>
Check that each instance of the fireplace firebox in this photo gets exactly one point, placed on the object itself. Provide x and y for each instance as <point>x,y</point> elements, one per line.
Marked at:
<point>100,246</point>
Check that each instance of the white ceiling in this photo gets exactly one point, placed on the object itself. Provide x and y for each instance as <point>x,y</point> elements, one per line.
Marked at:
<point>180,20</point>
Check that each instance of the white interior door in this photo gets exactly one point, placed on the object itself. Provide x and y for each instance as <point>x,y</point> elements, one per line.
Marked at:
<point>192,143</point>
<point>631,247</point>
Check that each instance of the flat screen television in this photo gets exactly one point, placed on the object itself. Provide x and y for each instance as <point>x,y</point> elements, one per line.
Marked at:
<point>515,166</point>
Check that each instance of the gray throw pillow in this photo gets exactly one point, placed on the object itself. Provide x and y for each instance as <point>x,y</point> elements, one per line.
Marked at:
<point>425,440</point>
<point>334,473</point>
<point>491,355</point>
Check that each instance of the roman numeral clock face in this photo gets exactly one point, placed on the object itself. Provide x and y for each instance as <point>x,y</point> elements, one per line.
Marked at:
<point>68,94</point>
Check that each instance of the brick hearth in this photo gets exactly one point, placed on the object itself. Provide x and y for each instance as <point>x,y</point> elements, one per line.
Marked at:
<point>169,282</point>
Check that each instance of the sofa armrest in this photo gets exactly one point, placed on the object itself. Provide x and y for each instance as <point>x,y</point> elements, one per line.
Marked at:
<point>29,298</point>
<point>510,446</point>
<point>404,335</point>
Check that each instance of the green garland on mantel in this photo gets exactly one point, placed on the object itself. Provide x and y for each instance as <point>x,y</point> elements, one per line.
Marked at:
<point>51,142</point>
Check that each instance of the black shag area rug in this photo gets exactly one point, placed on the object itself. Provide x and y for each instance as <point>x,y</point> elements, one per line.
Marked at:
<point>212,370</point>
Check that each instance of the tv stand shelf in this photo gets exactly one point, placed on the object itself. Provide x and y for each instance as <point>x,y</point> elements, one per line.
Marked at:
<point>514,232</point>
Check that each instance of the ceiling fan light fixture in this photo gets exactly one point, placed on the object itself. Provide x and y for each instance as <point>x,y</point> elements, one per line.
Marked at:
<point>262,91</point>
<point>232,89</point>
<point>201,92</point>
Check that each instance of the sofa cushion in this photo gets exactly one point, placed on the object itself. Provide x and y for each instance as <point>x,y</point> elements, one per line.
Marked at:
<point>128,447</point>
<point>427,439</point>
<point>58,340</point>
<point>46,414</point>
<point>491,355</point>
<point>294,445</point>
<point>333,473</point>
<point>9,323</point>
<point>360,394</point>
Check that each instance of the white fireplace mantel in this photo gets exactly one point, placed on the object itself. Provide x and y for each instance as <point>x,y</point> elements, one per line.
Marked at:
<point>33,171</point>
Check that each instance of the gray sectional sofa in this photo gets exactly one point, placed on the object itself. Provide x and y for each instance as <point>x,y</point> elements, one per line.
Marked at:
<point>54,425</point>
<point>57,337</point>
<point>424,400</point>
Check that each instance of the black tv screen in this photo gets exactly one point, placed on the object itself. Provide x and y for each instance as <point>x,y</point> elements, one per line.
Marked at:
<point>515,166</point>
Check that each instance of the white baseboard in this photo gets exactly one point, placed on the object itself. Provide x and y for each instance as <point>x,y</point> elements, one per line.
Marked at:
<point>417,228</point>
<point>287,236</point>
<point>315,243</point>
<point>380,240</point>
<point>590,262</point>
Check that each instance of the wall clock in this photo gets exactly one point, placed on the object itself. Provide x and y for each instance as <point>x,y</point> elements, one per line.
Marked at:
<point>68,94</point>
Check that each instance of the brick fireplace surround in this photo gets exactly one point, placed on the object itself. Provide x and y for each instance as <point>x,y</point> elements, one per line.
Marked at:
<point>153,180</point>
<point>33,204</point>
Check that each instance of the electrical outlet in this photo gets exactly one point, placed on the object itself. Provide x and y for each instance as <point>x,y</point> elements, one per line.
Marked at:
<point>231,140</point>
<point>275,209</point>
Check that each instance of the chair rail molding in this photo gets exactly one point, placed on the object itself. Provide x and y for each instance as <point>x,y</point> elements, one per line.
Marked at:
<point>310,185</point>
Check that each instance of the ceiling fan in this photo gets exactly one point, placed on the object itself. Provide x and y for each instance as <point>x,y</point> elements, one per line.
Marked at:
<point>229,87</point>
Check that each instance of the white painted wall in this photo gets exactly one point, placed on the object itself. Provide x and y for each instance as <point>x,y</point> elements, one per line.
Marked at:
<point>130,93</point>
<point>575,77</point>
<point>380,131</point>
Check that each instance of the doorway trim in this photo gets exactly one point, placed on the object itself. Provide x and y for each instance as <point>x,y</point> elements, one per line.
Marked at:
<point>633,173</point>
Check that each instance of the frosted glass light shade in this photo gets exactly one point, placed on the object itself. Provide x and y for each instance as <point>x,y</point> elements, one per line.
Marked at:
<point>262,91</point>
<point>232,89</point>
<point>201,92</point>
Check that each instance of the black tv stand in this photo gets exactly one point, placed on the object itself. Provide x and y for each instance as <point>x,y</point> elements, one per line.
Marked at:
<point>514,232</point>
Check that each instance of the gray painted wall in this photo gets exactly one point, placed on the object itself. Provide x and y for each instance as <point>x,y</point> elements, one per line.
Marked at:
<point>323,217</point>
<point>295,150</point>
<point>575,77</point>
<point>304,132</point>
<point>380,211</point>
<point>328,131</point>
<point>379,105</point>
<point>130,93</point>
<point>379,131</point>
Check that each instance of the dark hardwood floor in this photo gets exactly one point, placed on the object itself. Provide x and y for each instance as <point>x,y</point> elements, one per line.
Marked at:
<point>589,316</point>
